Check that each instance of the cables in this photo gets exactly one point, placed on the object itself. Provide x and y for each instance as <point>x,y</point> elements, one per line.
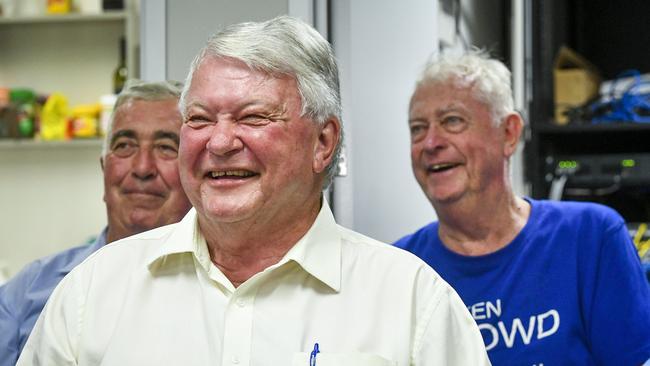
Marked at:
<point>633,104</point>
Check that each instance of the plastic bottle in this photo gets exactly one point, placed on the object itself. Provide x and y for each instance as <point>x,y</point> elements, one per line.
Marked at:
<point>121,72</point>
<point>24,101</point>
<point>54,118</point>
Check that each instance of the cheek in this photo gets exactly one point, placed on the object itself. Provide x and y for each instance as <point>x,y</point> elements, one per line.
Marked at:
<point>114,171</point>
<point>191,144</point>
<point>416,154</point>
<point>169,172</point>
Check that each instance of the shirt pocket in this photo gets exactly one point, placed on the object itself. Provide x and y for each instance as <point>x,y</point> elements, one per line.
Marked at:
<point>342,359</point>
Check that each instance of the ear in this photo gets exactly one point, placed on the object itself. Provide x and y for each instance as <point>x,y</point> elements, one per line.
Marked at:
<point>101,162</point>
<point>513,126</point>
<point>325,145</point>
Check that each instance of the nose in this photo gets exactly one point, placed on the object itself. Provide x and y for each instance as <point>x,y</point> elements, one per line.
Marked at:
<point>224,139</point>
<point>435,139</point>
<point>144,164</point>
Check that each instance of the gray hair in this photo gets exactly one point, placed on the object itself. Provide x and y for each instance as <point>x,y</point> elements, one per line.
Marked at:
<point>487,78</point>
<point>283,46</point>
<point>135,89</point>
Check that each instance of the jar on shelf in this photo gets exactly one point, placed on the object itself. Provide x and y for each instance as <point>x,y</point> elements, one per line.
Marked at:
<point>7,115</point>
<point>24,101</point>
<point>84,120</point>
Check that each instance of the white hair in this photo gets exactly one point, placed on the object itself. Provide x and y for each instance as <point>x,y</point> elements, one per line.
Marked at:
<point>487,78</point>
<point>283,46</point>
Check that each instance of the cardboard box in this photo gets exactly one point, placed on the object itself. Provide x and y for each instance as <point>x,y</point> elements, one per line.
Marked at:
<point>576,81</point>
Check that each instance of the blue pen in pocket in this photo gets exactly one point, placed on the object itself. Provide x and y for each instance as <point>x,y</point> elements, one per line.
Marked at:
<point>312,356</point>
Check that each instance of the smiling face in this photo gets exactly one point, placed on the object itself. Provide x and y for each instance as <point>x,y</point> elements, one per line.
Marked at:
<point>142,188</point>
<point>456,151</point>
<point>246,153</point>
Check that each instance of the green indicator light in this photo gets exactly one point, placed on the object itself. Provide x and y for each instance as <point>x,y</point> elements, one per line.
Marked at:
<point>628,163</point>
<point>567,164</point>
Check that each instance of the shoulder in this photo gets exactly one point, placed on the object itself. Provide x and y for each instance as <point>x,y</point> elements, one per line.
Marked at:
<point>30,288</point>
<point>425,234</point>
<point>387,261</point>
<point>131,250</point>
<point>578,213</point>
<point>48,269</point>
<point>368,246</point>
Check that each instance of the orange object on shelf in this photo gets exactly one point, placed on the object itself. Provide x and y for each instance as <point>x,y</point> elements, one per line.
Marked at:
<point>58,6</point>
<point>84,120</point>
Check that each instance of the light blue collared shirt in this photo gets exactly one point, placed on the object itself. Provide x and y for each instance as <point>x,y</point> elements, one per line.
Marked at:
<point>23,297</point>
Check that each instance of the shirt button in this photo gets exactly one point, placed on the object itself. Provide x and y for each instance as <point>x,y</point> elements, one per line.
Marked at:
<point>241,303</point>
<point>235,360</point>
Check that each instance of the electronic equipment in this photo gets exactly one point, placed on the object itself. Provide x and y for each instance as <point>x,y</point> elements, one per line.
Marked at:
<point>600,171</point>
<point>620,181</point>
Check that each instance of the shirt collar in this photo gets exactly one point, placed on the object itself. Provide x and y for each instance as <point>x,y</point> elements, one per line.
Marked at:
<point>181,240</point>
<point>318,252</point>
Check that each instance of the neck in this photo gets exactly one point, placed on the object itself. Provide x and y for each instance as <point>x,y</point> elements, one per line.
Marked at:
<point>114,234</point>
<point>482,226</point>
<point>242,249</point>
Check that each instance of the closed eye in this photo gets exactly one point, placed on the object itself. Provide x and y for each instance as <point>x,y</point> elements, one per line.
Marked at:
<point>255,120</point>
<point>197,121</point>
<point>167,151</point>
<point>124,148</point>
<point>418,130</point>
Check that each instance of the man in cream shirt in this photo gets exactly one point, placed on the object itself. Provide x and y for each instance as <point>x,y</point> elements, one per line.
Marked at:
<point>258,272</point>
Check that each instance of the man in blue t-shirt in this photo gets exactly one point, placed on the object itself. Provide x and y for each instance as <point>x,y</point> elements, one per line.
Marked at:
<point>549,283</point>
<point>142,191</point>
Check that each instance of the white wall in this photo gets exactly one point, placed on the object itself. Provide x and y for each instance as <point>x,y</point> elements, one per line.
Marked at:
<point>381,47</point>
<point>51,199</point>
<point>191,22</point>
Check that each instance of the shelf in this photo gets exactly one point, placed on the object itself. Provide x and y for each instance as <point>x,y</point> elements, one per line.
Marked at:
<point>65,18</point>
<point>11,144</point>
<point>592,128</point>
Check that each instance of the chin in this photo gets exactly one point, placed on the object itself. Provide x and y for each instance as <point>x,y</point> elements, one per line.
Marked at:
<point>228,210</point>
<point>444,198</point>
<point>140,224</point>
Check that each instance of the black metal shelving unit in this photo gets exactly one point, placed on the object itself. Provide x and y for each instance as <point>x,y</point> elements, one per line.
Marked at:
<point>613,36</point>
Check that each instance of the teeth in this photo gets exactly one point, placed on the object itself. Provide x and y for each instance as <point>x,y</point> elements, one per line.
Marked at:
<point>231,173</point>
<point>437,167</point>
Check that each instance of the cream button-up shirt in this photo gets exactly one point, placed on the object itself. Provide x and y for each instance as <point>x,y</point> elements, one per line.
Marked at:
<point>157,299</point>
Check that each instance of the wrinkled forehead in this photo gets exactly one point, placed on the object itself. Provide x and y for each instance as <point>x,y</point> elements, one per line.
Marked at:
<point>436,91</point>
<point>146,116</point>
<point>220,81</point>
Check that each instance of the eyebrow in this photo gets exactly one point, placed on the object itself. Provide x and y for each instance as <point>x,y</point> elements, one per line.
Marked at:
<point>451,108</point>
<point>122,133</point>
<point>275,107</point>
<point>158,135</point>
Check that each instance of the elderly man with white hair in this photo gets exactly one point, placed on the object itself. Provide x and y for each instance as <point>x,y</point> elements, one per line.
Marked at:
<point>258,272</point>
<point>549,283</point>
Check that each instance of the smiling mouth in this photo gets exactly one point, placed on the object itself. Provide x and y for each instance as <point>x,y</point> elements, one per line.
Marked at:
<point>143,193</point>
<point>437,168</point>
<point>232,174</point>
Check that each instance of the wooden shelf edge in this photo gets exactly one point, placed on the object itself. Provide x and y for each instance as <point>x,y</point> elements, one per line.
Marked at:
<point>10,144</point>
<point>65,18</point>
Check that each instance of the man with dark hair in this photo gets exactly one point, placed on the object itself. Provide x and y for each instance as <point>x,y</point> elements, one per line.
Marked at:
<point>142,191</point>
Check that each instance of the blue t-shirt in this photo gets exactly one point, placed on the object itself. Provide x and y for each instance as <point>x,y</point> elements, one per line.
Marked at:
<point>568,290</point>
<point>23,297</point>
